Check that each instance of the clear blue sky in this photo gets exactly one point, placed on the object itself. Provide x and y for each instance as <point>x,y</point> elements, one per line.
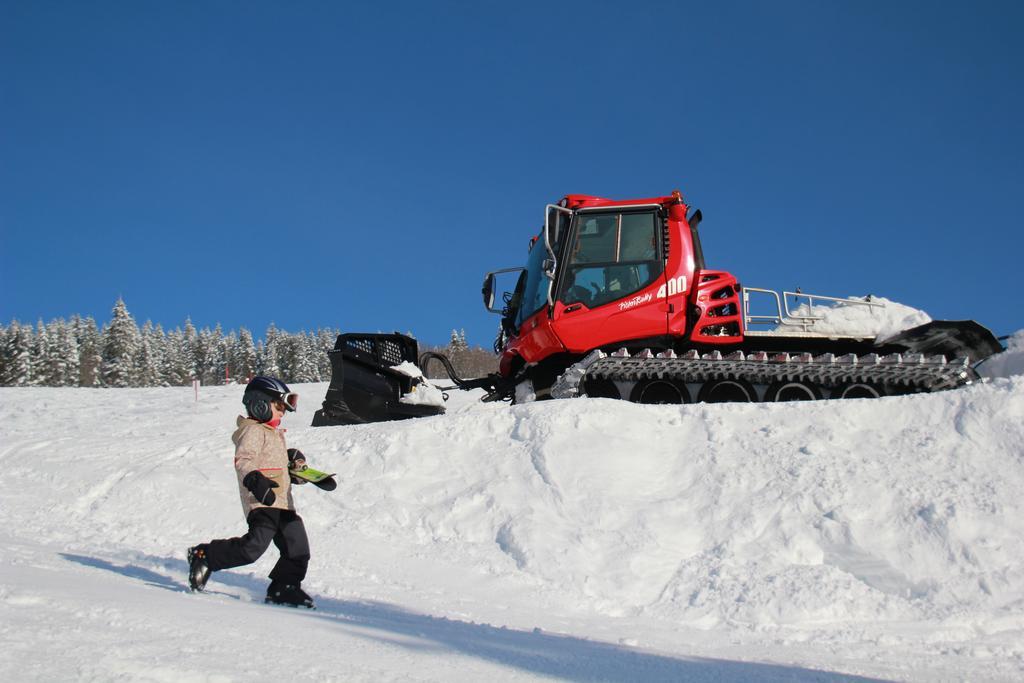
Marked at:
<point>362,165</point>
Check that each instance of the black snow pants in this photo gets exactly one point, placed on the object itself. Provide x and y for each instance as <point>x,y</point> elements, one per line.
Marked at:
<point>283,527</point>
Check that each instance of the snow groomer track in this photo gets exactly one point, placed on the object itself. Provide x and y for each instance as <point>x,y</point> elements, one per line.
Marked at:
<point>665,377</point>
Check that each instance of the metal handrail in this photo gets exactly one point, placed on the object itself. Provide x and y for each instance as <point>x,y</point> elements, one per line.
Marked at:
<point>549,272</point>
<point>783,314</point>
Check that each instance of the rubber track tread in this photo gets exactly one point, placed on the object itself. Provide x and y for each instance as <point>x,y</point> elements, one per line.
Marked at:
<point>917,373</point>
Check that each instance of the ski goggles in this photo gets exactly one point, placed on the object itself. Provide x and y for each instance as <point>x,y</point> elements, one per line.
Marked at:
<point>290,401</point>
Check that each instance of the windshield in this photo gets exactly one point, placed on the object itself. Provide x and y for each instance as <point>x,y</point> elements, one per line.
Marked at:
<point>535,292</point>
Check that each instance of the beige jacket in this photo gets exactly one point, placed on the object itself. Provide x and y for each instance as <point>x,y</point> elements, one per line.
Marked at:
<point>261,447</point>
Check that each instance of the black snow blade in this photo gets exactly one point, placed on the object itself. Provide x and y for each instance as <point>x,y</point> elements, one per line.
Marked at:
<point>364,386</point>
<point>950,338</point>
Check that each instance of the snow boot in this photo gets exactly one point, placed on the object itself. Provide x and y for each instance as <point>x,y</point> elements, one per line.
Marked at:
<point>198,569</point>
<point>289,594</point>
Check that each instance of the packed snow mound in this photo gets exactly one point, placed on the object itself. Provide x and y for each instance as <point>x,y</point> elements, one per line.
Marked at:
<point>1009,362</point>
<point>882,320</point>
<point>715,516</point>
<point>882,537</point>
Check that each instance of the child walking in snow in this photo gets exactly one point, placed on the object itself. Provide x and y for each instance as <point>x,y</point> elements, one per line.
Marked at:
<point>262,463</point>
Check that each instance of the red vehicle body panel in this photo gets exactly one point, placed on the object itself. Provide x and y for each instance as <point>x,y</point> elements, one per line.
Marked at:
<point>579,327</point>
<point>536,341</point>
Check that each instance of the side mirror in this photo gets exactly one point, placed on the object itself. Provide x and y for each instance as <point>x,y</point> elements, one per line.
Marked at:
<point>488,291</point>
<point>491,286</point>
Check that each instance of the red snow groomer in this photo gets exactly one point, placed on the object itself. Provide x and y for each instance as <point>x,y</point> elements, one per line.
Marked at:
<point>616,301</point>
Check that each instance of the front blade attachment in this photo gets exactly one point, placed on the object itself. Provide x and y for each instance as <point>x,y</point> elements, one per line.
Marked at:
<point>365,384</point>
<point>950,338</point>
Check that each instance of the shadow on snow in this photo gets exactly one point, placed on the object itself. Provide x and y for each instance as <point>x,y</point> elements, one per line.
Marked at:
<point>566,657</point>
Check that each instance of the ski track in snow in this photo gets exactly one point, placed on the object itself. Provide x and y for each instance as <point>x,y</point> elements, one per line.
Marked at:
<point>581,540</point>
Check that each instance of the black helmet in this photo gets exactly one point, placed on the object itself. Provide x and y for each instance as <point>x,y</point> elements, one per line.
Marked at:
<point>262,391</point>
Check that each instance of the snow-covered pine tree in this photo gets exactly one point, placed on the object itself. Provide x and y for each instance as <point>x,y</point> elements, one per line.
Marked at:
<point>313,354</point>
<point>261,351</point>
<point>178,369</point>
<point>188,345</point>
<point>201,355</point>
<point>38,357</point>
<point>59,365</point>
<point>228,344</point>
<point>148,363</point>
<point>219,358</point>
<point>17,352</point>
<point>3,358</point>
<point>270,359</point>
<point>67,351</point>
<point>90,347</point>
<point>303,367</point>
<point>51,364</point>
<point>287,358</point>
<point>456,351</point>
<point>158,347</point>
<point>457,343</point>
<point>204,356</point>
<point>243,359</point>
<point>120,348</point>
<point>325,339</point>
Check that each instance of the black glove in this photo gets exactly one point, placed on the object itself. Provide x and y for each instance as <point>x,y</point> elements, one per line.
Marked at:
<point>261,487</point>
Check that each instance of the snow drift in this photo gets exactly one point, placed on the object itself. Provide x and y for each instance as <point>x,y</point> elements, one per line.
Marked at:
<point>880,320</point>
<point>733,542</point>
<point>1007,363</point>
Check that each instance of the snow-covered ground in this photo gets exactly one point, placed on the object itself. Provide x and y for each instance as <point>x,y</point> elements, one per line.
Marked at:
<point>582,539</point>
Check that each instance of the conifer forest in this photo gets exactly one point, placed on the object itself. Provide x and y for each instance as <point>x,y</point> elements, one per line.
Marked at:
<point>80,353</point>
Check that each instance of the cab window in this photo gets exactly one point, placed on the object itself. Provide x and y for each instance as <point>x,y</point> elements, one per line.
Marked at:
<point>612,255</point>
<point>535,291</point>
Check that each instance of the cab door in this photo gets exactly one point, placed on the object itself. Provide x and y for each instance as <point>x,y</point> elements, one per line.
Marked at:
<point>612,269</point>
